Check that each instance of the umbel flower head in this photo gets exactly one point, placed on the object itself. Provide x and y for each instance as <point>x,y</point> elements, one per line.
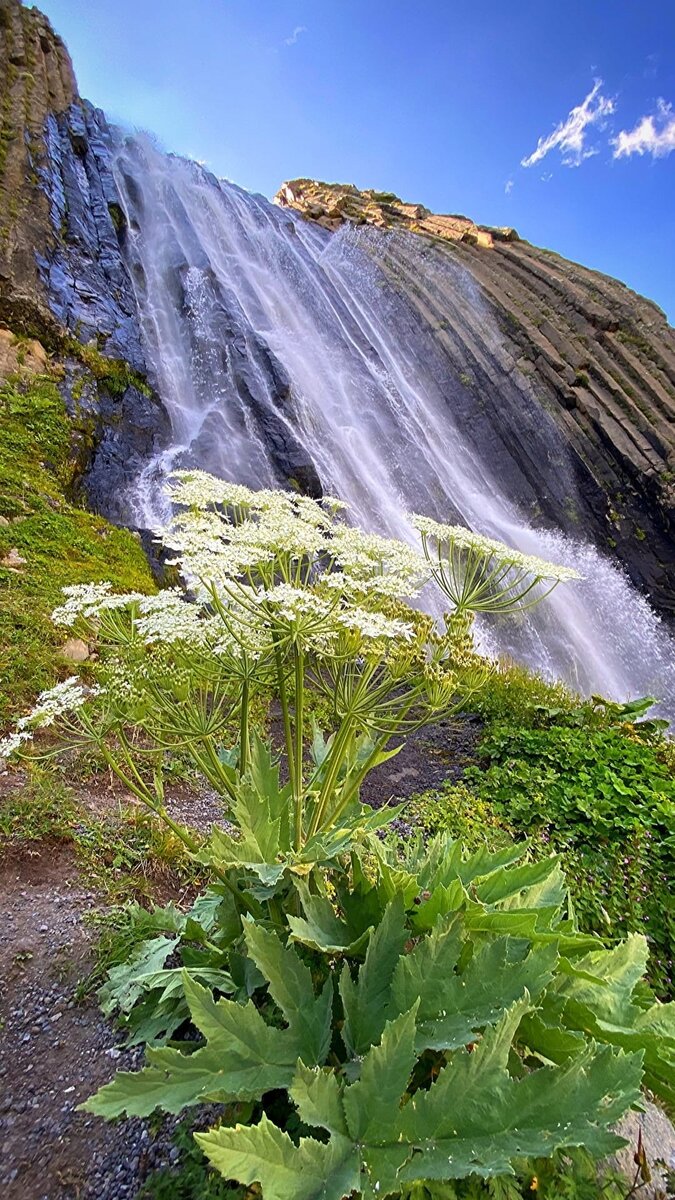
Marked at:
<point>479,574</point>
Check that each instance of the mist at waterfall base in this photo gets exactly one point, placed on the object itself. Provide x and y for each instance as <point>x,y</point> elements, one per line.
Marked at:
<point>275,344</point>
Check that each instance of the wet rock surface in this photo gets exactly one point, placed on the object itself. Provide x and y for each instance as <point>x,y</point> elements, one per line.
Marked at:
<point>62,272</point>
<point>651,1133</point>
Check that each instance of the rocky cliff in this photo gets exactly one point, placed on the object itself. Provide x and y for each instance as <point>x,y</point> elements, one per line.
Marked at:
<point>599,358</point>
<point>62,274</point>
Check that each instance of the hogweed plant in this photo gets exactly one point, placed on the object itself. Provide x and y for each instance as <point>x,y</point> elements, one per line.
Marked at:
<point>280,596</point>
<point>417,1018</point>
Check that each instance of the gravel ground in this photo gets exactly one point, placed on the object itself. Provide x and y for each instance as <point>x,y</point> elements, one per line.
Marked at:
<point>54,1052</point>
<point>429,757</point>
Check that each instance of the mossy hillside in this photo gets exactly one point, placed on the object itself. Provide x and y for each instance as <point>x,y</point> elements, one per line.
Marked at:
<point>61,542</point>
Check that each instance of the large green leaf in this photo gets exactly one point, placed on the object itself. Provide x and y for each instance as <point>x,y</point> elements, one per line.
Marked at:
<point>474,1119</point>
<point>264,1154</point>
<point>532,885</point>
<point>260,811</point>
<point>453,1007</point>
<point>323,930</point>
<point>290,985</point>
<point>126,982</point>
<point>477,1117</point>
<point>596,994</point>
<point>243,1057</point>
<point>444,862</point>
<point>365,1001</point>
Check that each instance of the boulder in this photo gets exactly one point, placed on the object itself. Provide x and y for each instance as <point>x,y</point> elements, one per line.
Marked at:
<point>649,1157</point>
<point>75,650</point>
<point>12,560</point>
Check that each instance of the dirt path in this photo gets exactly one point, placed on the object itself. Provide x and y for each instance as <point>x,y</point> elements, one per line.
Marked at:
<point>53,1051</point>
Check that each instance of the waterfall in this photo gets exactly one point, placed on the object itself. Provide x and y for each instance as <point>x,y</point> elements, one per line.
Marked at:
<point>364,363</point>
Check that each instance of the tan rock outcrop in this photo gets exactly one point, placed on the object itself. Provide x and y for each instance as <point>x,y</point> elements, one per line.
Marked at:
<point>36,79</point>
<point>21,356</point>
<point>331,204</point>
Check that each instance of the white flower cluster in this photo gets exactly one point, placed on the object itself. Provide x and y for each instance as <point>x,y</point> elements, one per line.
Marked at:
<point>169,617</point>
<point>209,546</point>
<point>293,604</point>
<point>485,547</point>
<point>65,697</point>
<point>197,489</point>
<point>12,743</point>
<point>375,626</point>
<point>378,564</point>
<point>89,599</point>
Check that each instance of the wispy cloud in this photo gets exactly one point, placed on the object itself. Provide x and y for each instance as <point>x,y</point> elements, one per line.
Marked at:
<point>653,134</point>
<point>299,29</point>
<point>569,137</point>
<point>508,187</point>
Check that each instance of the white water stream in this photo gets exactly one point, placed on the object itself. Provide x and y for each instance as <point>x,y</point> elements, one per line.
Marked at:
<point>260,327</point>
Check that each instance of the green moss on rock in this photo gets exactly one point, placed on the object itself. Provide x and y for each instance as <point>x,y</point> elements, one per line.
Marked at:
<point>114,373</point>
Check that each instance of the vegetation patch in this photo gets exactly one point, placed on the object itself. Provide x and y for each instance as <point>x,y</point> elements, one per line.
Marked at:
<point>58,542</point>
<point>602,791</point>
<point>114,373</point>
<point>126,853</point>
<point>591,781</point>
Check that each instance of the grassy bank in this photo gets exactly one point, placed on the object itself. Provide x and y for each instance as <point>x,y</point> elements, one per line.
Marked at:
<point>59,542</point>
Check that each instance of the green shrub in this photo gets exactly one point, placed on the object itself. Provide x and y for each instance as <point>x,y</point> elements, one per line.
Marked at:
<point>455,809</point>
<point>605,796</point>
<point>523,698</point>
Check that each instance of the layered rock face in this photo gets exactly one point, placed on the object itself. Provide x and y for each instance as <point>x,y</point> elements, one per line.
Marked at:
<point>600,361</point>
<point>62,274</point>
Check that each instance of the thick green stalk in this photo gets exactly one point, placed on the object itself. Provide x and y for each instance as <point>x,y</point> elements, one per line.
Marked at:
<point>336,757</point>
<point>360,776</point>
<point>243,727</point>
<point>298,793</point>
<point>283,698</point>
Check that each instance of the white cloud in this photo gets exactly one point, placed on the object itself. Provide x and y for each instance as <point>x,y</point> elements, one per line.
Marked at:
<point>569,137</point>
<point>508,187</point>
<point>290,41</point>
<point>653,134</point>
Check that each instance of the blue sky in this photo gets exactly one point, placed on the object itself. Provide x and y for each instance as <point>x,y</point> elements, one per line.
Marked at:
<point>442,103</point>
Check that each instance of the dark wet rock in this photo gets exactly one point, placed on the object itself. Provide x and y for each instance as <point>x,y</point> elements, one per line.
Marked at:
<point>62,271</point>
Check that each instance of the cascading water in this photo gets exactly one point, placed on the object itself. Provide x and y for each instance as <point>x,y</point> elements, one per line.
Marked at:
<point>284,353</point>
